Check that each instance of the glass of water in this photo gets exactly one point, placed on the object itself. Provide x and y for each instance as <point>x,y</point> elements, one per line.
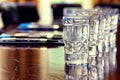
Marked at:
<point>76,36</point>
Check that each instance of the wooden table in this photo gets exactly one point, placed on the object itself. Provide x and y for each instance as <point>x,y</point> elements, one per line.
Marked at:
<point>26,63</point>
<point>40,63</point>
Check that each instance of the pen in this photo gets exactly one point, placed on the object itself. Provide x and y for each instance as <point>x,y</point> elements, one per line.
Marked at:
<point>24,42</point>
<point>27,40</point>
<point>37,37</point>
<point>42,29</point>
<point>26,26</point>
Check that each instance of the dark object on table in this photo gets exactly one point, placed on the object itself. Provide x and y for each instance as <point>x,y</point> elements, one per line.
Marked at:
<point>16,13</point>
<point>32,42</point>
<point>41,29</point>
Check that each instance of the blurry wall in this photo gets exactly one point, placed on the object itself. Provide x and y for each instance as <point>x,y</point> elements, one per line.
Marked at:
<point>34,1</point>
<point>58,1</point>
<point>107,1</point>
<point>2,0</point>
<point>91,2</point>
<point>46,14</point>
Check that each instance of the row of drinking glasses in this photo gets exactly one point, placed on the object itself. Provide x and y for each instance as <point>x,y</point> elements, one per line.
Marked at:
<point>90,42</point>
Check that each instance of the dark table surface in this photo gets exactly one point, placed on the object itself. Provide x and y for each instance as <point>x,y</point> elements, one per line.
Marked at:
<point>41,63</point>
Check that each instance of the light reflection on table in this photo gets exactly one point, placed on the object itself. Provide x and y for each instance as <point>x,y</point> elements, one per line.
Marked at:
<point>31,63</point>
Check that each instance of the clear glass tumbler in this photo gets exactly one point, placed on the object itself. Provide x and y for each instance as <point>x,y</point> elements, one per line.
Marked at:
<point>113,31</point>
<point>76,36</point>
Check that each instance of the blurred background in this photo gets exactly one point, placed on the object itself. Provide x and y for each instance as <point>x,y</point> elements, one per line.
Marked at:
<point>44,12</point>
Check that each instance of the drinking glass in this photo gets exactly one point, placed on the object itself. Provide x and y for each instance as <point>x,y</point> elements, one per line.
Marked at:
<point>92,38</point>
<point>113,30</point>
<point>76,35</point>
<point>111,17</point>
<point>100,49</point>
<point>107,40</point>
